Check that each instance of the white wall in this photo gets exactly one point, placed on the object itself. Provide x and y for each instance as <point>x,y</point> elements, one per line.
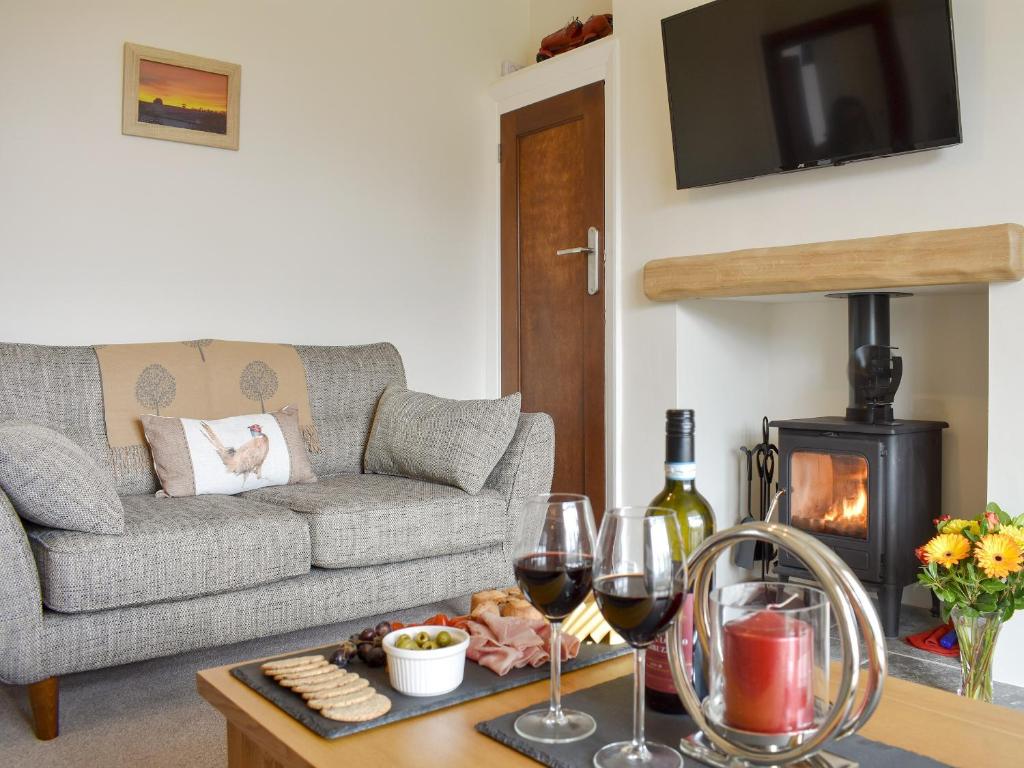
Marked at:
<point>670,355</point>
<point>1006,425</point>
<point>357,208</point>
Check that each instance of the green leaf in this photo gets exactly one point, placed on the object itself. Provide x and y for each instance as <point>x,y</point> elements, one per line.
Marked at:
<point>933,570</point>
<point>993,507</point>
<point>971,535</point>
<point>944,610</point>
<point>985,603</point>
<point>1008,610</point>
<point>1018,602</point>
<point>992,586</point>
<point>1018,520</point>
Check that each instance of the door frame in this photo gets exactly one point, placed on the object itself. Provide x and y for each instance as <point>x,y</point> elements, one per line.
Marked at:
<point>591,63</point>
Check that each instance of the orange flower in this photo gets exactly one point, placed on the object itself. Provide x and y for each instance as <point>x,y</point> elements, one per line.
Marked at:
<point>998,555</point>
<point>959,526</point>
<point>947,549</point>
<point>920,554</point>
<point>1015,533</point>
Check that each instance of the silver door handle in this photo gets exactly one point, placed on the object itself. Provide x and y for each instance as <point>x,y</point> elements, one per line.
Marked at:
<point>593,251</point>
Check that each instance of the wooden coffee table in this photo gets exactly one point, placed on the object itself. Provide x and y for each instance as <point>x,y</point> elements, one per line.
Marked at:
<point>952,730</point>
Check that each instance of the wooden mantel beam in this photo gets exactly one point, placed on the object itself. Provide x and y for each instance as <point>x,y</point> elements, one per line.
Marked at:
<point>987,254</point>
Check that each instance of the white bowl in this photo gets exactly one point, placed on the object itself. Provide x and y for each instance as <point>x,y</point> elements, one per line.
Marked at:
<point>426,673</point>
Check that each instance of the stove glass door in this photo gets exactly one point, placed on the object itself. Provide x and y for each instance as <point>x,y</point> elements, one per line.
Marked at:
<point>829,493</point>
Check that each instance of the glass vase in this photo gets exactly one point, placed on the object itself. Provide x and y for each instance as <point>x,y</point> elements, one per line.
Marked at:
<point>977,635</point>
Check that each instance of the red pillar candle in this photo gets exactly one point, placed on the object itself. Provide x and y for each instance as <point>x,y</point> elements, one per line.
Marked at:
<point>768,663</point>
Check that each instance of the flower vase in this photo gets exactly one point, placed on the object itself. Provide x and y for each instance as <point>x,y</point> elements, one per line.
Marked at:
<point>977,635</point>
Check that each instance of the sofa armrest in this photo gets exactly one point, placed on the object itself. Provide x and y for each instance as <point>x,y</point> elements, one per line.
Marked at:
<point>21,603</point>
<point>525,470</point>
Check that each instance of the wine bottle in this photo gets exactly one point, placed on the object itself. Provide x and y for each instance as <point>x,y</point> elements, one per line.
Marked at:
<point>696,522</point>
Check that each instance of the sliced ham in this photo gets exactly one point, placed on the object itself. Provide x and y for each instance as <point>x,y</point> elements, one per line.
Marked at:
<point>502,643</point>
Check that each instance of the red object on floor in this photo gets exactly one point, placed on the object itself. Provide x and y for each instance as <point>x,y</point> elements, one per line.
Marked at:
<point>929,641</point>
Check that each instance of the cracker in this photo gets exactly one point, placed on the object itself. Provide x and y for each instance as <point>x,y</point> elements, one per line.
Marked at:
<point>341,702</point>
<point>371,709</point>
<point>295,661</point>
<point>326,677</point>
<point>342,687</point>
<point>328,682</point>
<point>301,674</point>
<point>294,671</point>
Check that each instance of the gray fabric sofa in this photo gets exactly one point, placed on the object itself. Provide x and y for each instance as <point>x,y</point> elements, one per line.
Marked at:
<point>190,573</point>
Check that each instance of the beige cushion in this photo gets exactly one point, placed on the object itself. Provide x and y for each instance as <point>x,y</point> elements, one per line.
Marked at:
<point>193,457</point>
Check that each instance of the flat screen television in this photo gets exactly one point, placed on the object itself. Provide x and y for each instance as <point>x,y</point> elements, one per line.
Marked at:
<point>768,86</point>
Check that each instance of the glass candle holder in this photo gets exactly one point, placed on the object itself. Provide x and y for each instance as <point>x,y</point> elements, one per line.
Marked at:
<point>769,664</point>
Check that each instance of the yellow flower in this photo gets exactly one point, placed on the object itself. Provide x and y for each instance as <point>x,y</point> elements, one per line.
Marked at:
<point>947,549</point>
<point>998,555</point>
<point>1015,533</point>
<point>958,525</point>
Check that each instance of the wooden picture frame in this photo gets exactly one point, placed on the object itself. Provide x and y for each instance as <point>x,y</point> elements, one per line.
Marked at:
<point>179,97</point>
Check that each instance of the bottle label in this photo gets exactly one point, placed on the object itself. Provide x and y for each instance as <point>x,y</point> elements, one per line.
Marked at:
<point>683,470</point>
<point>659,673</point>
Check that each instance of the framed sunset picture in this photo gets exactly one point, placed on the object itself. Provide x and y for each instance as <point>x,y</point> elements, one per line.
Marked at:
<point>179,97</point>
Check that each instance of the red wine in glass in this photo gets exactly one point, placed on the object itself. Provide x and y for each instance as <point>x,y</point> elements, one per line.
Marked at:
<point>553,561</point>
<point>555,582</point>
<point>632,610</point>
<point>639,583</point>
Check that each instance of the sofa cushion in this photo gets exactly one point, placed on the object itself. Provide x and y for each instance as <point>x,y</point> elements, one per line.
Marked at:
<point>170,549</point>
<point>455,442</point>
<point>344,385</point>
<point>194,457</point>
<point>357,520</point>
<point>51,480</point>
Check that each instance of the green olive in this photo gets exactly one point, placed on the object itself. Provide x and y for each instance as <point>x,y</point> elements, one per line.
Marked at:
<point>406,643</point>
<point>443,639</point>
<point>402,637</point>
<point>430,646</point>
<point>422,638</point>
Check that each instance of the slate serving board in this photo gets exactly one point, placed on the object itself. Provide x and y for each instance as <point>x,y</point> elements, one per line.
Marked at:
<point>611,705</point>
<point>478,682</point>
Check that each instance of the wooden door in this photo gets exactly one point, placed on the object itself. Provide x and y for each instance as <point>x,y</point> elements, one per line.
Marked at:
<point>552,328</point>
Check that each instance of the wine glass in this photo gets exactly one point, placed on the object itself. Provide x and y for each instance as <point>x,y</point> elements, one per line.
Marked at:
<point>639,582</point>
<point>554,559</point>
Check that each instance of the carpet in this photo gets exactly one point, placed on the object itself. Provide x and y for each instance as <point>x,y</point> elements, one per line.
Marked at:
<point>148,713</point>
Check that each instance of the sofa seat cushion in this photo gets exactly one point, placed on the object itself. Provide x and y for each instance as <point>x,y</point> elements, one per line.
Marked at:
<point>171,549</point>
<point>357,520</point>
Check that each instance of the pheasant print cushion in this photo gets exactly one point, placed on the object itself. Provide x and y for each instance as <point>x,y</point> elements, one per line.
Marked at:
<point>193,457</point>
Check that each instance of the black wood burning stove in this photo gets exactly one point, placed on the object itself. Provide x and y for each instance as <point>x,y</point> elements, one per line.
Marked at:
<point>868,485</point>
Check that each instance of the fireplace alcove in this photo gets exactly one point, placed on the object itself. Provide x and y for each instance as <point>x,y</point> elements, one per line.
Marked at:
<point>778,348</point>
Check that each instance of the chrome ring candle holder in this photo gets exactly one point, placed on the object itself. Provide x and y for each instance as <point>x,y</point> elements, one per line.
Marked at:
<point>718,744</point>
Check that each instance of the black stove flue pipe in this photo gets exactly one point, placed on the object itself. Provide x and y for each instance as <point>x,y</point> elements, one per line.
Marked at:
<point>873,371</point>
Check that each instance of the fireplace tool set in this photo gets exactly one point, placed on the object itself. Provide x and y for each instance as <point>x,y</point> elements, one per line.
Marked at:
<point>764,456</point>
<point>766,657</point>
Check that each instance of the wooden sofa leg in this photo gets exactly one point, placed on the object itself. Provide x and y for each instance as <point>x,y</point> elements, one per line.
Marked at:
<point>44,697</point>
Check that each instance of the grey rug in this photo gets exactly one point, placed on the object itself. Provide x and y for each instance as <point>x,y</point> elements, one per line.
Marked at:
<point>148,713</point>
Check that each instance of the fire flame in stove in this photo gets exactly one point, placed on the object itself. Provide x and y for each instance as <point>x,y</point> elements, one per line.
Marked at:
<point>830,493</point>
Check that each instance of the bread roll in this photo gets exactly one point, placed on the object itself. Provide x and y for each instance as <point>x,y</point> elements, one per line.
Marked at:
<point>487,607</point>
<point>495,596</point>
<point>521,609</point>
